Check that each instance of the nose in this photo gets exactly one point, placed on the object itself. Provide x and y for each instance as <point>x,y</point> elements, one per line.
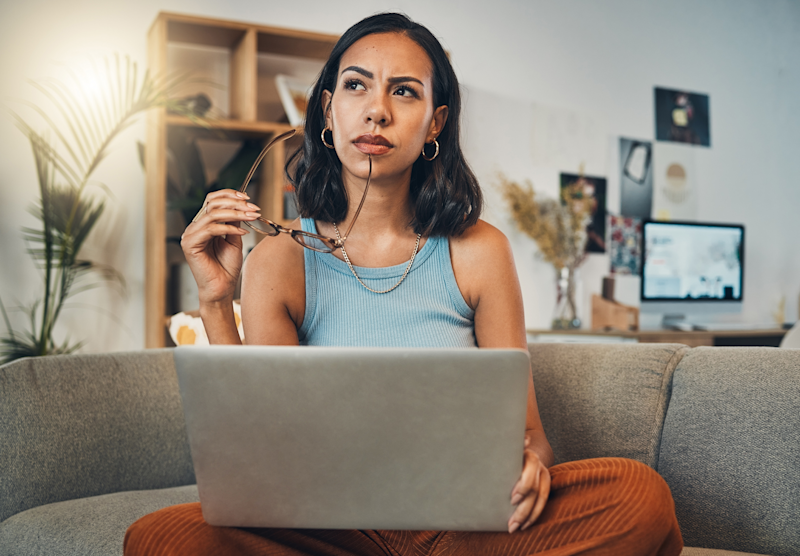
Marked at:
<point>378,110</point>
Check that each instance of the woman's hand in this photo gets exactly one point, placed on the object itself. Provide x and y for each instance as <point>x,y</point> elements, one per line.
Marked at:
<point>212,243</point>
<point>530,493</point>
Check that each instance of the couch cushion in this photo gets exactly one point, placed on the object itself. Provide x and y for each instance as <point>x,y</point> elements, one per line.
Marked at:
<point>603,400</point>
<point>73,426</point>
<point>730,450</point>
<point>692,551</point>
<point>92,526</point>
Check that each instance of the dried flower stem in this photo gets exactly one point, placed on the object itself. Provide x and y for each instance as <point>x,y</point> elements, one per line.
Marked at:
<point>557,226</point>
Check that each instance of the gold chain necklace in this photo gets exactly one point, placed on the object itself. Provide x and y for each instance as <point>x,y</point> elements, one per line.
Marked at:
<point>353,270</point>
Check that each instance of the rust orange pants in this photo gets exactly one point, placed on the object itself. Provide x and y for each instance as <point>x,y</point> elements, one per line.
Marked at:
<point>607,506</point>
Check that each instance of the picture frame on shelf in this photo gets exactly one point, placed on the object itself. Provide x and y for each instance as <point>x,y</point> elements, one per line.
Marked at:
<point>294,93</point>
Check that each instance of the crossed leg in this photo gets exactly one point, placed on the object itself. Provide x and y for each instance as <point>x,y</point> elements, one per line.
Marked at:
<point>604,507</point>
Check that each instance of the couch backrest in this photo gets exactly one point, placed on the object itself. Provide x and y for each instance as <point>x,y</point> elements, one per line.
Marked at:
<point>604,400</point>
<point>81,425</point>
<point>730,450</point>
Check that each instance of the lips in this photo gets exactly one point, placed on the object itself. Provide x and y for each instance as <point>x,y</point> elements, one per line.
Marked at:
<point>372,144</point>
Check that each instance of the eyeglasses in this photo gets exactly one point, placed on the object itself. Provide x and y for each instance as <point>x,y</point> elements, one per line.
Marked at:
<point>315,242</point>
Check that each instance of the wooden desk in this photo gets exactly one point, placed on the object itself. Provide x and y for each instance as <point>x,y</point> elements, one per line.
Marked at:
<point>759,337</point>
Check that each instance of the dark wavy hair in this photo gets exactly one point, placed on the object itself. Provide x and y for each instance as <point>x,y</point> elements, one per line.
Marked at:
<point>445,193</point>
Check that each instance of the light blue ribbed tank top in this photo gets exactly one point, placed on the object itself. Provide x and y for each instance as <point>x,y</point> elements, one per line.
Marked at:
<point>426,310</point>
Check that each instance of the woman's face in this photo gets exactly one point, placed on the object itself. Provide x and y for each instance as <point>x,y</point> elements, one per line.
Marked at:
<point>383,106</point>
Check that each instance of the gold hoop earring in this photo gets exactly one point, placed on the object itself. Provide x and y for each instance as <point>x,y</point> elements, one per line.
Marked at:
<point>435,154</point>
<point>324,142</point>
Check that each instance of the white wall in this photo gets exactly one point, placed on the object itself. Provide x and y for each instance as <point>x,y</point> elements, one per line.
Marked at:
<point>600,58</point>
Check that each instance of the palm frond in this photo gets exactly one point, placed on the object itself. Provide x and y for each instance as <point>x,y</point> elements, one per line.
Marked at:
<point>12,349</point>
<point>10,328</point>
<point>94,105</point>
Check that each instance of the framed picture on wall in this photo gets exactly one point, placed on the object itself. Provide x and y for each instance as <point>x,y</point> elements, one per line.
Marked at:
<point>594,191</point>
<point>682,117</point>
<point>636,177</point>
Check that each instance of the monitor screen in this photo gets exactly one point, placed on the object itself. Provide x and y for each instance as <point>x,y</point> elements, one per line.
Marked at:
<point>692,262</point>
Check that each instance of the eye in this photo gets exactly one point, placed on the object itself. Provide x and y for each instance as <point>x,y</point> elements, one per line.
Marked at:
<point>354,85</point>
<point>406,91</point>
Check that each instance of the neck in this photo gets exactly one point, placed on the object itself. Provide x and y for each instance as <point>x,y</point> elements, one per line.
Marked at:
<point>387,208</point>
<point>381,235</point>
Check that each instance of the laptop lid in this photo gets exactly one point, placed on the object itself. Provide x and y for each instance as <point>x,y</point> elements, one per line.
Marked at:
<point>355,438</point>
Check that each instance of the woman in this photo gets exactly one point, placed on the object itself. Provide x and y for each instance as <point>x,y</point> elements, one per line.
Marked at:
<point>418,268</point>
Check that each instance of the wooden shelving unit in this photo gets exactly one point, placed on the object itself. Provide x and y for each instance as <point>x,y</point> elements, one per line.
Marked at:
<point>247,106</point>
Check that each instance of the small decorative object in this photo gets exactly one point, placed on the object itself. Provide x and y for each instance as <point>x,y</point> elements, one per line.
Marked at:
<point>610,315</point>
<point>195,105</point>
<point>565,316</point>
<point>608,288</point>
<point>186,329</point>
<point>559,229</point>
<point>294,97</point>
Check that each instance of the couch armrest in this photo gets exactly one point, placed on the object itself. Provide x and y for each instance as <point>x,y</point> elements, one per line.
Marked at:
<point>73,426</point>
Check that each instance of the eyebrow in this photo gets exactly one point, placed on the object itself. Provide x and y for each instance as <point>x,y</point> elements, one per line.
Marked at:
<point>370,75</point>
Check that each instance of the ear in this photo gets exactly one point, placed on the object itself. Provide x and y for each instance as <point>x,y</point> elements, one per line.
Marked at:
<point>437,123</point>
<point>326,108</point>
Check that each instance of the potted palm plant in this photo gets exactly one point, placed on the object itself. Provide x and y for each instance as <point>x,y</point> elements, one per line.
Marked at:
<point>78,132</point>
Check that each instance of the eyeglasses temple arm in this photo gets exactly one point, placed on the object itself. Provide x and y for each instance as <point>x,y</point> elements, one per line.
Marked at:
<point>361,204</point>
<point>264,151</point>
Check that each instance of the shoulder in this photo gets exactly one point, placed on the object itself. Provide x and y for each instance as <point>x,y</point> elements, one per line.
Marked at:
<point>480,243</point>
<point>273,288</point>
<point>273,252</point>
<point>481,258</point>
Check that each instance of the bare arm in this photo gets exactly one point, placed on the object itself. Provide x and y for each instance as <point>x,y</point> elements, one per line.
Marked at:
<point>487,277</point>
<point>212,243</point>
<point>273,292</point>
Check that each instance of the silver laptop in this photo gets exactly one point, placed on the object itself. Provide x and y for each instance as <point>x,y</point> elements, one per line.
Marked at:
<point>346,438</point>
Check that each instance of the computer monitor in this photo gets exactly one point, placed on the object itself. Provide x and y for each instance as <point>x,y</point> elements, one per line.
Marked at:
<point>691,269</point>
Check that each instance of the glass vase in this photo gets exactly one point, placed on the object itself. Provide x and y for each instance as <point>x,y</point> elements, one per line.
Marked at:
<point>565,316</point>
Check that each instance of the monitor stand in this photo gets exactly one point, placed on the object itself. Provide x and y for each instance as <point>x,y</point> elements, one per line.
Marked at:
<point>676,322</point>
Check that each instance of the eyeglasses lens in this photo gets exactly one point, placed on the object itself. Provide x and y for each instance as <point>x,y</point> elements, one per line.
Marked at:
<point>263,226</point>
<point>313,243</point>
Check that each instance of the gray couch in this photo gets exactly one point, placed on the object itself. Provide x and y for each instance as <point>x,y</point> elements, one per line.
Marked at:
<point>89,443</point>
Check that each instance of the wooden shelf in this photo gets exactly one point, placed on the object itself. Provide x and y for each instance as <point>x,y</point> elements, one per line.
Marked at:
<point>694,338</point>
<point>238,127</point>
<point>246,106</point>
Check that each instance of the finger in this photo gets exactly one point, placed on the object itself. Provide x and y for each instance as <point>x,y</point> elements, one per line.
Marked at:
<point>529,479</point>
<point>241,210</point>
<point>222,193</point>
<point>235,240</point>
<point>524,505</point>
<point>532,504</point>
<point>225,198</point>
<point>521,514</point>
<point>541,499</point>
<point>230,202</point>
<point>196,238</point>
<point>524,495</point>
<point>221,215</point>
